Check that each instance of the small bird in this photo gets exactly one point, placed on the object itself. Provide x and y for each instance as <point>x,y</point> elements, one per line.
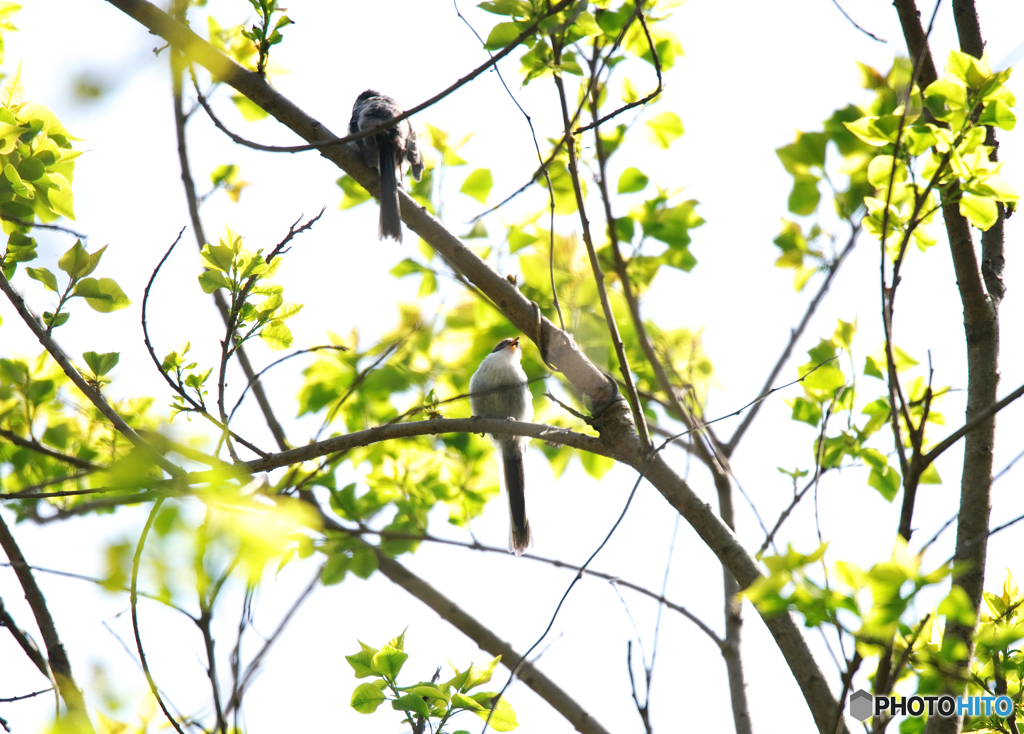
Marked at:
<point>499,389</point>
<point>386,151</point>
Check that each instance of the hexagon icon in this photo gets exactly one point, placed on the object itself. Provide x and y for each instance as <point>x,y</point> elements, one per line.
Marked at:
<point>861,705</point>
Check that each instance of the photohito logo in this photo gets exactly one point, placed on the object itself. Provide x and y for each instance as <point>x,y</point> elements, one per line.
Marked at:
<point>864,705</point>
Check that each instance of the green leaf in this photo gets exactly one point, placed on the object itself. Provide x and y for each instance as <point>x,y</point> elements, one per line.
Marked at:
<point>587,25</point>
<point>804,197</point>
<point>460,701</point>
<point>502,718</point>
<point>11,174</point>
<point>596,465</point>
<point>808,150</point>
<point>980,210</point>
<point>388,662</point>
<point>998,114</point>
<point>501,35</point>
<point>880,169</point>
<point>250,111</point>
<point>805,411</point>
<point>78,263</point>
<point>411,702</point>
<point>103,295</point>
<point>825,377</point>
<point>398,642</point>
<point>930,475</point>
<point>101,364</point>
<point>958,607</point>
<point>872,130</point>
<point>571,67</point>
<point>664,129</point>
<point>44,276</point>
<point>366,698</point>
<point>353,192</point>
<point>364,563</point>
<point>974,72</point>
<point>218,257</point>
<point>62,318</point>
<point>944,96</point>
<point>276,335</point>
<point>33,169</point>
<point>211,280</point>
<point>478,184</point>
<point>362,660</point>
<point>515,8</point>
<point>886,480</point>
<point>632,180</point>
<point>478,675</point>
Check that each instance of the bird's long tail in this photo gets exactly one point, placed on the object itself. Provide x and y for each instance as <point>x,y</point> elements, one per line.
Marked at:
<point>390,219</point>
<point>515,485</point>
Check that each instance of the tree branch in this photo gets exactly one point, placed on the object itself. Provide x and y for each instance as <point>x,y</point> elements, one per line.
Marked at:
<point>192,201</point>
<point>609,316</point>
<point>93,395</point>
<point>47,451</point>
<point>55,653</point>
<point>24,641</point>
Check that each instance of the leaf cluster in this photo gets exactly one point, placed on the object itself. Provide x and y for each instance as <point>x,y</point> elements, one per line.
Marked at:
<point>430,700</point>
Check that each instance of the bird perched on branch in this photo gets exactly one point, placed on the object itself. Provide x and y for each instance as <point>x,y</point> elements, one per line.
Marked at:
<point>386,151</point>
<point>499,389</point>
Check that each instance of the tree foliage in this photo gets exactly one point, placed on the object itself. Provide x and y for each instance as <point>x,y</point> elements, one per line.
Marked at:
<point>610,384</point>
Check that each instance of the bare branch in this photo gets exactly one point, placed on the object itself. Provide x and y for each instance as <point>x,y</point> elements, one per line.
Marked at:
<point>47,451</point>
<point>860,28</point>
<point>55,653</point>
<point>192,201</point>
<point>24,642</point>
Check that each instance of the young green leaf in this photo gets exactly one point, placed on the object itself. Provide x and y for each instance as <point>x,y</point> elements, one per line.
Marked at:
<point>101,364</point>
<point>366,698</point>
<point>362,660</point>
<point>411,702</point>
<point>78,263</point>
<point>44,276</point>
<point>664,129</point>
<point>478,184</point>
<point>103,295</point>
<point>632,180</point>
<point>388,662</point>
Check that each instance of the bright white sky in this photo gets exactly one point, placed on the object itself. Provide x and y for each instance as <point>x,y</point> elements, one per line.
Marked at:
<point>753,74</point>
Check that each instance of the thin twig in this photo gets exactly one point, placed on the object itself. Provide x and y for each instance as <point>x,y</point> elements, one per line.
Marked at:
<point>276,362</point>
<point>639,102</point>
<point>134,598</point>
<point>858,27</point>
<point>613,330</point>
<point>236,699</point>
<point>40,225</point>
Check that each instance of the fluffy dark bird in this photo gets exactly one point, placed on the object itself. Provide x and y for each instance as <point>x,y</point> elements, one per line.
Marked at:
<point>386,151</point>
